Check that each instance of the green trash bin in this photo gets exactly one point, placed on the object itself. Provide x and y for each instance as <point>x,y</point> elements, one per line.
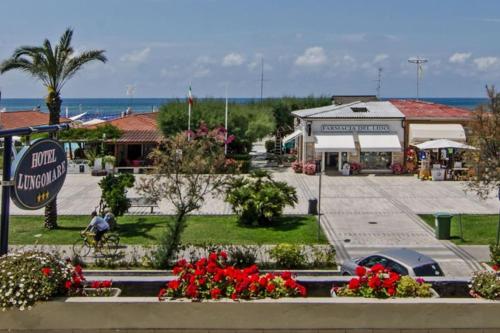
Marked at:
<point>443,225</point>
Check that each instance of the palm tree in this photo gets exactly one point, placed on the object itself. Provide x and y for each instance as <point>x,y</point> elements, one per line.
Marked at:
<point>53,67</point>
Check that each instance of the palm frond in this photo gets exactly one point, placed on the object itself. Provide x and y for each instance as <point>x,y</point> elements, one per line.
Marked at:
<point>74,64</point>
<point>26,51</point>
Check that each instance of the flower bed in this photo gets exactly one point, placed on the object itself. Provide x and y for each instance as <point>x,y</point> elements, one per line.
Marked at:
<point>485,285</point>
<point>379,282</point>
<point>212,278</point>
<point>30,277</point>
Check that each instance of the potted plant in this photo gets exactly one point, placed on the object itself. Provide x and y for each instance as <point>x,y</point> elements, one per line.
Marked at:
<point>379,282</point>
<point>297,166</point>
<point>355,168</point>
<point>109,162</point>
<point>309,168</point>
<point>485,285</point>
<point>212,278</point>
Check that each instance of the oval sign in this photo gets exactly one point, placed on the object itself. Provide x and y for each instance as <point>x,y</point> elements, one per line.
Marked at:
<point>38,172</point>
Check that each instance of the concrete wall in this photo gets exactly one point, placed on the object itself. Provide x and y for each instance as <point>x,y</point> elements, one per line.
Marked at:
<point>285,315</point>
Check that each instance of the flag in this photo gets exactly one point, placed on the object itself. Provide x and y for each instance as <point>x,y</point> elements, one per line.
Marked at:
<point>190,96</point>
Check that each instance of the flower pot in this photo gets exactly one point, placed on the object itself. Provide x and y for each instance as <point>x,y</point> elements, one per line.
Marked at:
<point>433,292</point>
<point>109,292</point>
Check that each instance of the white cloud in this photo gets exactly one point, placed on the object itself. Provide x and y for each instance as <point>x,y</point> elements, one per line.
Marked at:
<point>459,58</point>
<point>312,56</point>
<point>485,63</point>
<point>136,56</point>
<point>233,59</point>
<point>380,57</point>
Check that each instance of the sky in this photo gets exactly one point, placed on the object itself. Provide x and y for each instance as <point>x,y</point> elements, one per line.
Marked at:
<point>309,47</point>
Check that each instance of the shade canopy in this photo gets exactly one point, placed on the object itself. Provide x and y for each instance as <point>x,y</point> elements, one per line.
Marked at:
<point>292,136</point>
<point>379,143</point>
<point>443,143</point>
<point>335,143</point>
<point>419,133</point>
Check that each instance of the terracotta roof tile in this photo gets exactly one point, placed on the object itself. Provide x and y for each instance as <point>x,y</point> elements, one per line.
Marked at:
<point>16,119</point>
<point>137,128</point>
<point>419,109</point>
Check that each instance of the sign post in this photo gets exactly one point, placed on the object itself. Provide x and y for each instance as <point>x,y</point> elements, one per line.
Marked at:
<point>38,174</point>
<point>6,186</point>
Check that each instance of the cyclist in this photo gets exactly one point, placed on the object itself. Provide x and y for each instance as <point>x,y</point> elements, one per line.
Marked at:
<point>97,225</point>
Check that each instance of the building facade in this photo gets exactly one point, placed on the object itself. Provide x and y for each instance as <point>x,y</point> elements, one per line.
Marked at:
<point>368,133</point>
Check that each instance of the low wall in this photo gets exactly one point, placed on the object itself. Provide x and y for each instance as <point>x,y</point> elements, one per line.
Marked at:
<point>291,314</point>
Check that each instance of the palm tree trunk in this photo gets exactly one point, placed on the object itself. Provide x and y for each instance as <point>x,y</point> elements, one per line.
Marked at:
<point>54,102</point>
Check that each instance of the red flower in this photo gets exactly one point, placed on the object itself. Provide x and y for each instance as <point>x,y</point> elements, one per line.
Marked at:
<point>234,296</point>
<point>212,257</point>
<point>47,271</point>
<point>68,284</point>
<point>106,284</point>
<point>301,290</point>
<point>377,268</point>
<point>270,288</point>
<point>215,293</point>
<point>95,284</point>
<point>174,284</point>
<point>177,270</point>
<point>391,291</point>
<point>286,275</point>
<point>223,254</point>
<point>354,283</point>
<point>360,271</point>
<point>374,282</point>
<point>78,269</point>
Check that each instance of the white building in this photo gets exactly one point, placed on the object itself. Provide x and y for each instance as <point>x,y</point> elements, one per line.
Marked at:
<point>369,133</point>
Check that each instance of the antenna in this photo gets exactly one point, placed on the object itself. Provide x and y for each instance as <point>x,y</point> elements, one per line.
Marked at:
<point>379,82</point>
<point>419,62</point>
<point>262,80</point>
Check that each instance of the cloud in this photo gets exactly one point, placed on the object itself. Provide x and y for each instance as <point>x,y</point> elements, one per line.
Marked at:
<point>313,56</point>
<point>233,59</point>
<point>380,57</point>
<point>486,63</point>
<point>136,57</point>
<point>459,58</point>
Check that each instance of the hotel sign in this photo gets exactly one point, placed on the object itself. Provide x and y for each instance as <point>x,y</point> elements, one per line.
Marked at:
<point>356,128</point>
<point>38,173</point>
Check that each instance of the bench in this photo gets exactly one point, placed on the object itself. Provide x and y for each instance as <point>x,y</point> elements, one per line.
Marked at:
<point>143,202</point>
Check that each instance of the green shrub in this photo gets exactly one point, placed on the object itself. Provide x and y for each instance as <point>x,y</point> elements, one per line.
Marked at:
<point>30,277</point>
<point>270,145</point>
<point>323,257</point>
<point>495,254</point>
<point>485,284</point>
<point>114,196</point>
<point>242,256</point>
<point>259,198</point>
<point>409,287</point>
<point>288,256</point>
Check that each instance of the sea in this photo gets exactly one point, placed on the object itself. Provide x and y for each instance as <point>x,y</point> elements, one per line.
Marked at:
<point>106,108</point>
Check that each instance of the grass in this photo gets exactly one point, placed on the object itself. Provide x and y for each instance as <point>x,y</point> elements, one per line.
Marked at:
<point>145,230</point>
<point>477,229</point>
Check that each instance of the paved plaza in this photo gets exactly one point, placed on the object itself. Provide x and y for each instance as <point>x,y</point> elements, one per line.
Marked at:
<point>361,214</point>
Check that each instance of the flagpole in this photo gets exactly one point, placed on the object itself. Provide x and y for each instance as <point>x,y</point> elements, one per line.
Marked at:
<point>190,101</point>
<point>225,126</point>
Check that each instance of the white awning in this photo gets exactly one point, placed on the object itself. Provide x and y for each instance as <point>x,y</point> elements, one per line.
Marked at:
<point>419,133</point>
<point>443,143</point>
<point>334,143</point>
<point>292,136</point>
<point>382,143</point>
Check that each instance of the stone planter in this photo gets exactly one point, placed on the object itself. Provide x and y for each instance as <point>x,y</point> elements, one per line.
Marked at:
<point>92,292</point>
<point>433,292</point>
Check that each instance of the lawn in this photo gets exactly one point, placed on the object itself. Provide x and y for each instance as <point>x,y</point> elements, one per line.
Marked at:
<point>146,230</point>
<point>477,229</point>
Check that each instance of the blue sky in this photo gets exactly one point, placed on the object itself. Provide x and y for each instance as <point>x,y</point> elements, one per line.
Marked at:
<point>309,47</point>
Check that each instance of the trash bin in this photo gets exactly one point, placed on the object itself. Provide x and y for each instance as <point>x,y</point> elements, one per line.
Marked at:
<point>313,207</point>
<point>443,225</point>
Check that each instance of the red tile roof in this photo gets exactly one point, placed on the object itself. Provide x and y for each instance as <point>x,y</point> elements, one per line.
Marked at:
<point>137,128</point>
<point>424,110</point>
<point>29,118</point>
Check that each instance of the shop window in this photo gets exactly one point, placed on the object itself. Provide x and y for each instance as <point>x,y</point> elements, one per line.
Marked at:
<point>375,160</point>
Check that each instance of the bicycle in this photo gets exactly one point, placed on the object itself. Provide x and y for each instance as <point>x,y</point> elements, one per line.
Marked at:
<point>107,246</point>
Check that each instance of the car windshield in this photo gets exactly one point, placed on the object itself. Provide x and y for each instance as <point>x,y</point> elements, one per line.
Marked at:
<point>428,270</point>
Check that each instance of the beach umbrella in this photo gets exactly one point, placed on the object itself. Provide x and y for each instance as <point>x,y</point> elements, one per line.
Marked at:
<point>443,143</point>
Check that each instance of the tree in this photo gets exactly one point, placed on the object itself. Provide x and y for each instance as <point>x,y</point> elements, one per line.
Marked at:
<point>114,193</point>
<point>53,67</point>
<point>187,170</point>
<point>485,136</point>
<point>259,198</point>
